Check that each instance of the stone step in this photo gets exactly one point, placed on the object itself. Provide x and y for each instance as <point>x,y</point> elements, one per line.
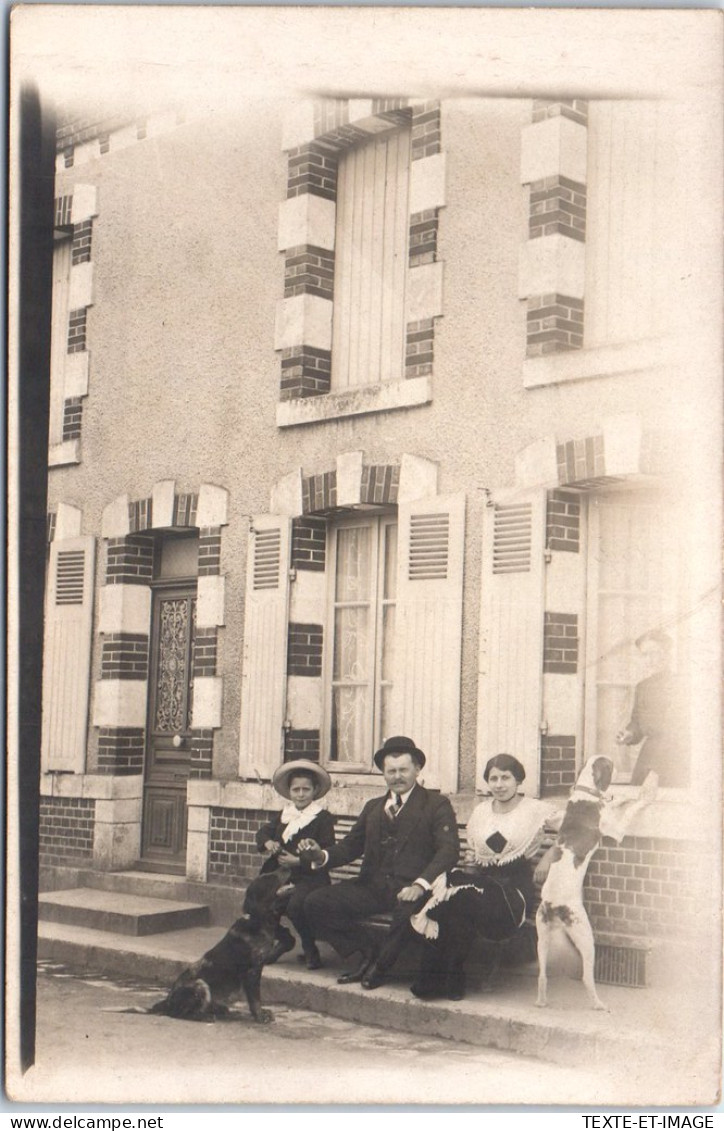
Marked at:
<point>120,912</point>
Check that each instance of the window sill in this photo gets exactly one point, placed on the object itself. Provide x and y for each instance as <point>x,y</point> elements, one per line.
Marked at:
<point>355,402</point>
<point>603,361</point>
<point>59,455</point>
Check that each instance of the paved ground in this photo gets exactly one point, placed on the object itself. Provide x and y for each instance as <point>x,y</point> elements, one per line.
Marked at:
<point>91,1051</point>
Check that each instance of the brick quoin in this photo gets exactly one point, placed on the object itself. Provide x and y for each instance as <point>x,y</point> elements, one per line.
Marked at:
<point>423,237</point>
<point>426,130</point>
<point>560,643</point>
<point>302,744</point>
<point>184,510</point>
<point>205,651</point>
<point>124,655</point>
<point>210,551</point>
<point>202,753</point>
<point>574,108</point>
<point>309,543</point>
<point>140,515</point>
<point>72,418</point>
<point>309,270</point>
<point>558,763</point>
<point>557,205</point>
<point>304,649</point>
<point>312,169</point>
<point>129,561</point>
<point>419,348</point>
<point>563,521</point>
<point>553,323</point>
<point>81,245</point>
<point>306,372</point>
<point>77,326</point>
<point>579,460</point>
<point>121,750</point>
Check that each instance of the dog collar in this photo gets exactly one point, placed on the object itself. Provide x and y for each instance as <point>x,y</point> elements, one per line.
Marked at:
<point>586,789</point>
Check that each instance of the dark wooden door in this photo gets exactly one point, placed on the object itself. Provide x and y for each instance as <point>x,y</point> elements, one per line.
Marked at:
<point>168,734</point>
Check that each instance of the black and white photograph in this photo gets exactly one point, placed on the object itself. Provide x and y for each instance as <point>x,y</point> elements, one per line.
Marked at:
<point>364,511</point>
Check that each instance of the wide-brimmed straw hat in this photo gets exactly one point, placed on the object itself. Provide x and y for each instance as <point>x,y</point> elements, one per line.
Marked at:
<point>287,770</point>
<point>399,744</point>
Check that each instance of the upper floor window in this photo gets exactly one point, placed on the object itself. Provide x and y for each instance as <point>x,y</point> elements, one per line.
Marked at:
<point>362,622</point>
<point>59,336</point>
<point>368,332</point>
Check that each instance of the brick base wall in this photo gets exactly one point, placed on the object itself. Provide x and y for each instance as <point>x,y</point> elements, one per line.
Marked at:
<point>647,887</point>
<point>66,829</point>
<point>233,854</point>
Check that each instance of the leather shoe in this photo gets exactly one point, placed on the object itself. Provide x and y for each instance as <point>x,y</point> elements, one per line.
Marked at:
<point>373,977</point>
<point>355,975</point>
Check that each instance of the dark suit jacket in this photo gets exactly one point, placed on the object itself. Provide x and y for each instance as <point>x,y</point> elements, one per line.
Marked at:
<point>426,835</point>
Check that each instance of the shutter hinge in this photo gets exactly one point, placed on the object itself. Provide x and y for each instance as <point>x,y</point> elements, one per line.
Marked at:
<point>547,556</point>
<point>292,574</point>
<point>543,726</point>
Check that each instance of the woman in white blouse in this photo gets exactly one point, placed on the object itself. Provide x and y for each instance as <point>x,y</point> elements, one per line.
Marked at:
<point>491,895</point>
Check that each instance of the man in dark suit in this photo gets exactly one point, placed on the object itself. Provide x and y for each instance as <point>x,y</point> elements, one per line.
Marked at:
<point>406,839</point>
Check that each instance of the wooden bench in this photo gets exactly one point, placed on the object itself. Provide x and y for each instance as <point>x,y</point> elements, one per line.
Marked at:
<point>513,952</point>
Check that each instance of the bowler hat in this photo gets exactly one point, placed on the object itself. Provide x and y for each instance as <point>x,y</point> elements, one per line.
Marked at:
<point>400,744</point>
<point>287,770</point>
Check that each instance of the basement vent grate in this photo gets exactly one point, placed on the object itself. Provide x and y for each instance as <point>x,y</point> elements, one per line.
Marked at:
<point>620,965</point>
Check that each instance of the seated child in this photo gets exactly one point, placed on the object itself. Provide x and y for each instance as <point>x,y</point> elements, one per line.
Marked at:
<point>302,783</point>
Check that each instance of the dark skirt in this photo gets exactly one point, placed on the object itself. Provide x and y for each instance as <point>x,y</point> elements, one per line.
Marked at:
<point>491,903</point>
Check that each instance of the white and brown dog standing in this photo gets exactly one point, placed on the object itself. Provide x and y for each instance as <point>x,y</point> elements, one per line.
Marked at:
<point>589,816</point>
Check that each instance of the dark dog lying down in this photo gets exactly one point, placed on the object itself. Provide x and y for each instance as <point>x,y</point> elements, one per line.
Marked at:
<point>201,992</point>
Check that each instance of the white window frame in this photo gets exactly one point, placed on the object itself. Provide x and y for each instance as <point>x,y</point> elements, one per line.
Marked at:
<point>640,498</point>
<point>378,521</point>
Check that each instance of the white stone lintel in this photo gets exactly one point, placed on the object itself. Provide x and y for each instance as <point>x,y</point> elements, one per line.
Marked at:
<point>552,265</point>
<point>307,219</point>
<point>163,495</point>
<point>418,478</point>
<point>116,521</point>
<point>120,703</point>
<point>622,435</point>
<point>210,600</point>
<point>298,127</point>
<point>124,608</point>
<point>424,292</point>
<point>207,701</point>
<point>81,286</point>
<point>554,147</point>
<point>427,183</point>
<point>213,506</point>
<point>303,320</point>
<point>67,522</point>
<point>537,465</point>
<point>85,203</point>
<point>349,478</point>
<point>286,494</point>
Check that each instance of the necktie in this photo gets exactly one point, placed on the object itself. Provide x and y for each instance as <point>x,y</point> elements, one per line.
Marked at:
<point>393,805</point>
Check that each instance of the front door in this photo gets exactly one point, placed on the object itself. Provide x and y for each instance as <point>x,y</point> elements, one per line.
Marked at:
<point>168,741</point>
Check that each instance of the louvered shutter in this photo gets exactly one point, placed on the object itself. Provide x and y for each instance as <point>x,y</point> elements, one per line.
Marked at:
<point>426,688</point>
<point>264,663</point>
<point>511,632</point>
<point>67,654</point>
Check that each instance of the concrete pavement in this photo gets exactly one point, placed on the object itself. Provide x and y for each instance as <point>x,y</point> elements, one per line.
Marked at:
<point>645,1030</point>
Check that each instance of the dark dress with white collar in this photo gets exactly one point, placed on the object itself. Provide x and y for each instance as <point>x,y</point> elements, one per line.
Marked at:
<point>304,880</point>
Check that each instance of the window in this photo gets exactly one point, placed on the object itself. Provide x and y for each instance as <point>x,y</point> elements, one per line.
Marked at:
<point>59,337</point>
<point>633,583</point>
<point>362,621</point>
<point>368,332</point>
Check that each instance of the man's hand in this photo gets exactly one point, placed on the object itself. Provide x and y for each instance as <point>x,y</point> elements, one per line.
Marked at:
<point>288,860</point>
<point>272,846</point>
<point>410,894</point>
<point>310,852</point>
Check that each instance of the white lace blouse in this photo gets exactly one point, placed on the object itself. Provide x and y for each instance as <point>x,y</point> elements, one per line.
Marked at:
<point>519,831</point>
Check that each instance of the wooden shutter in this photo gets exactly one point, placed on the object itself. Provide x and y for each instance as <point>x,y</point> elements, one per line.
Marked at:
<point>426,688</point>
<point>511,632</point>
<point>67,654</point>
<point>264,662</point>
